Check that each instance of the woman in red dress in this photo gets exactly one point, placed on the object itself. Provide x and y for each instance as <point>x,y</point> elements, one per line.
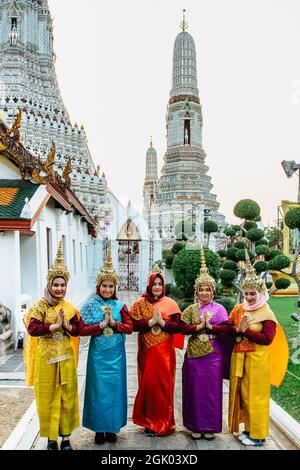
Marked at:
<point>156,318</point>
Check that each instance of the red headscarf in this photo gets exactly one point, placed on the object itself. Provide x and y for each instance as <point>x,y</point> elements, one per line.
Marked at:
<point>114,296</point>
<point>148,293</point>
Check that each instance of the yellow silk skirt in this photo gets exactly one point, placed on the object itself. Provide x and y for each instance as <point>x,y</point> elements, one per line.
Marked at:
<point>249,393</point>
<point>56,394</point>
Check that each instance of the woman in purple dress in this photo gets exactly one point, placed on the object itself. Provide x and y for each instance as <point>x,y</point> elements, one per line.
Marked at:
<point>204,362</point>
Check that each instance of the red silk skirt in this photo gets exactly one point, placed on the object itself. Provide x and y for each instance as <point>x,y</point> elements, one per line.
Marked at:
<point>154,403</point>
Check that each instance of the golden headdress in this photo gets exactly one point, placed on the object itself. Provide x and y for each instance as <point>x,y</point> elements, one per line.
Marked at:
<point>107,271</point>
<point>157,269</point>
<point>252,279</point>
<point>58,269</point>
<point>204,279</point>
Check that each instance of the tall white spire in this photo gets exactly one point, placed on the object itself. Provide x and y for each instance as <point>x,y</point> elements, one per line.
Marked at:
<point>151,178</point>
<point>184,185</point>
<point>151,163</point>
<point>184,77</point>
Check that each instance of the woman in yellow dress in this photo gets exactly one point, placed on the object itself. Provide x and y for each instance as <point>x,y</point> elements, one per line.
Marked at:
<point>49,356</point>
<point>259,358</point>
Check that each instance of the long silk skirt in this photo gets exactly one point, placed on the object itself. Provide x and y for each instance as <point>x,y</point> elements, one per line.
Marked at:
<point>249,394</point>
<point>154,403</point>
<point>105,401</point>
<point>202,381</point>
<point>56,395</point>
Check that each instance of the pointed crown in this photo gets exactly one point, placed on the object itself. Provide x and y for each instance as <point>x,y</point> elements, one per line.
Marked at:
<point>58,269</point>
<point>107,271</point>
<point>204,279</point>
<point>158,270</point>
<point>252,279</point>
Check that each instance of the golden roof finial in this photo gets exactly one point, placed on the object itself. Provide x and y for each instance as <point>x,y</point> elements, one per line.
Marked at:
<point>184,24</point>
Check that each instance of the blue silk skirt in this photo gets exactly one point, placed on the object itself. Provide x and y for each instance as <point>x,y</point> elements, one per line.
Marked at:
<point>105,401</point>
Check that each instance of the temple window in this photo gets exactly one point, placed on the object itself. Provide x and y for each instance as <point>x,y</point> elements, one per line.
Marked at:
<point>14,23</point>
<point>187,132</point>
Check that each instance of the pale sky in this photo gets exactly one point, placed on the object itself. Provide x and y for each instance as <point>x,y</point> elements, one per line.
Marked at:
<point>114,68</point>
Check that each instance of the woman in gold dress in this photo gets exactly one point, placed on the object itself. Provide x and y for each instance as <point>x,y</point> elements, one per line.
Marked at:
<point>49,356</point>
<point>259,359</point>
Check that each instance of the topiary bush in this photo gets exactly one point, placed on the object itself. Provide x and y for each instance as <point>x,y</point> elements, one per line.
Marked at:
<point>260,266</point>
<point>269,284</point>
<point>262,250</point>
<point>231,254</point>
<point>169,261</point>
<point>250,224</point>
<point>177,247</point>
<point>273,253</point>
<point>239,245</point>
<point>228,264</point>
<point>237,228</point>
<point>240,255</point>
<point>282,283</point>
<point>255,234</point>
<point>221,253</point>
<point>229,232</point>
<point>292,218</point>
<point>279,262</point>
<point>210,226</point>
<point>227,276</point>
<point>246,209</point>
<point>262,241</point>
<point>186,268</point>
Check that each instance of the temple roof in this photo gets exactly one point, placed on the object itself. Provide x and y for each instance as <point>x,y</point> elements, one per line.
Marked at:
<point>12,197</point>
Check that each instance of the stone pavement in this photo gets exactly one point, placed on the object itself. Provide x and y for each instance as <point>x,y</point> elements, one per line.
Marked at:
<point>131,437</point>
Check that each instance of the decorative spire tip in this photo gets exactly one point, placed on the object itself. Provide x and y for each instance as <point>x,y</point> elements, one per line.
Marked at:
<point>184,24</point>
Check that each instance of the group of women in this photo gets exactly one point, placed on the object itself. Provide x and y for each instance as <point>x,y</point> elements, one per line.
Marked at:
<point>248,346</point>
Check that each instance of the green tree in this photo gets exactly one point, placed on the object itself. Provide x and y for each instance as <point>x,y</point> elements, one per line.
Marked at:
<point>262,250</point>
<point>186,268</point>
<point>209,227</point>
<point>282,283</point>
<point>250,224</point>
<point>246,209</point>
<point>169,261</point>
<point>177,247</point>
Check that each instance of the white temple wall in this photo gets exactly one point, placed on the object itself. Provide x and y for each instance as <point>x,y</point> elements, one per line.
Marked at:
<point>8,170</point>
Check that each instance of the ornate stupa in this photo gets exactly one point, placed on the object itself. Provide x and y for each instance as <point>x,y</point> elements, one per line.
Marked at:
<point>184,187</point>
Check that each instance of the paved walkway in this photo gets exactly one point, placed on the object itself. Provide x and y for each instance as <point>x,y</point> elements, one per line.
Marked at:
<point>131,436</point>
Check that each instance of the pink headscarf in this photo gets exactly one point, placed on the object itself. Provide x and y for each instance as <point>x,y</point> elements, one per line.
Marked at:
<point>262,299</point>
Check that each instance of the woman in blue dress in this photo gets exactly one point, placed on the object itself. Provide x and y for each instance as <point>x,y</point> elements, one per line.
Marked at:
<point>106,320</point>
